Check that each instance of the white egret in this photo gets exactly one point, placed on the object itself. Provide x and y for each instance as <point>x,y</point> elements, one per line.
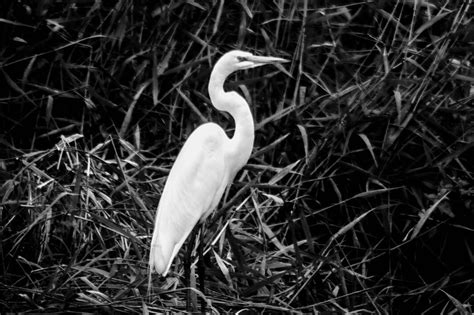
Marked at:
<point>206,164</point>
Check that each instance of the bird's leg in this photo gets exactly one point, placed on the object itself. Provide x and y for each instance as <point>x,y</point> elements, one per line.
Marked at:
<point>191,299</point>
<point>201,270</point>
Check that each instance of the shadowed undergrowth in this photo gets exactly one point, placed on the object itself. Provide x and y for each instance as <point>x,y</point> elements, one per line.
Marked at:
<point>359,193</point>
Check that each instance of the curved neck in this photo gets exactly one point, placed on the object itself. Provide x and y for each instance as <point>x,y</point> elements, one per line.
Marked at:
<point>241,143</point>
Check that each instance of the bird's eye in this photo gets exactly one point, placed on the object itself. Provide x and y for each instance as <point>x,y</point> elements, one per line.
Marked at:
<point>241,59</point>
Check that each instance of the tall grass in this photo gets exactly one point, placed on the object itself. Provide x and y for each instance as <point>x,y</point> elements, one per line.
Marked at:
<point>359,193</point>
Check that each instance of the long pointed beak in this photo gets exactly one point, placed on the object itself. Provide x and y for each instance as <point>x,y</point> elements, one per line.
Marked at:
<point>260,60</point>
<point>257,61</point>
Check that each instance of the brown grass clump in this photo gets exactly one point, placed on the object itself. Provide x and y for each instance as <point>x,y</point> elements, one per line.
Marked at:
<point>358,197</point>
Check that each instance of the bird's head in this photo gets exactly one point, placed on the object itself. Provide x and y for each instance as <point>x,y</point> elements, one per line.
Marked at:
<point>239,60</point>
<point>230,62</point>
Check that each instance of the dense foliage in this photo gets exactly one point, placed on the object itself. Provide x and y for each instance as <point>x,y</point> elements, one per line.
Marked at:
<point>358,197</point>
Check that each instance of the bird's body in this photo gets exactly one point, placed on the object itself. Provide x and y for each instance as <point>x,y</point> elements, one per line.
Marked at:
<point>207,163</point>
<point>197,194</point>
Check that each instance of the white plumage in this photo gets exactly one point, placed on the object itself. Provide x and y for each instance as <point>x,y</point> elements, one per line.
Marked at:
<point>206,164</point>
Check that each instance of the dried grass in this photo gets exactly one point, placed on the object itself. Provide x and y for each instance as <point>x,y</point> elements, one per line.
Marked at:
<point>358,197</point>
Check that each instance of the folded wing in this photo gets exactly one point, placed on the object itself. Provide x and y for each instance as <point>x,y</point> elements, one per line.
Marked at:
<point>193,189</point>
